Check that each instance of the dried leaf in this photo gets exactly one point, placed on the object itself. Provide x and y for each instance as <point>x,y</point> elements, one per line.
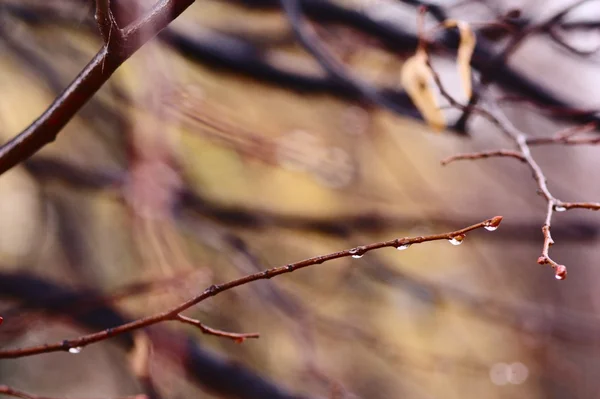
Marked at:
<point>416,77</point>
<point>465,52</point>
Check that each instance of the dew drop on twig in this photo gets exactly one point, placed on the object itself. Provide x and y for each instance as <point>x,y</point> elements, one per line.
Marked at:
<point>402,247</point>
<point>356,253</point>
<point>75,350</point>
<point>559,208</point>
<point>457,240</point>
<point>560,272</point>
<point>493,223</point>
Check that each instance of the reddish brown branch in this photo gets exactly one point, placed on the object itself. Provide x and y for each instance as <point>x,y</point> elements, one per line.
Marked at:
<point>237,337</point>
<point>593,206</point>
<point>483,155</point>
<point>521,141</point>
<point>553,203</point>
<point>120,44</point>
<point>8,391</point>
<point>213,290</point>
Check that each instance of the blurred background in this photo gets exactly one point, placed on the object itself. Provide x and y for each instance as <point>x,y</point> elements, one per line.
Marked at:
<point>223,148</point>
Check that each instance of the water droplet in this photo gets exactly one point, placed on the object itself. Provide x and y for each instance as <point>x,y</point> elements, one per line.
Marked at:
<point>457,240</point>
<point>560,272</point>
<point>357,253</point>
<point>559,208</point>
<point>75,350</point>
<point>402,247</point>
<point>493,223</point>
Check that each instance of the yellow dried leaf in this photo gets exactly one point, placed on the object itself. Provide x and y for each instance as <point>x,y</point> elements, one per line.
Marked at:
<point>465,52</point>
<point>416,78</point>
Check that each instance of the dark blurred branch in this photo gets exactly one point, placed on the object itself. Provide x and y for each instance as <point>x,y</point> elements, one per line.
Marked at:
<point>243,57</point>
<point>434,10</point>
<point>485,59</point>
<point>565,137</point>
<point>334,68</point>
<point>341,226</point>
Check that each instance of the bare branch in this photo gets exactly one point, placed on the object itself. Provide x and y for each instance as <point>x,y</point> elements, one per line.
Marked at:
<point>8,391</point>
<point>237,337</point>
<point>172,314</point>
<point>521,141</point>
<point>483,155</point>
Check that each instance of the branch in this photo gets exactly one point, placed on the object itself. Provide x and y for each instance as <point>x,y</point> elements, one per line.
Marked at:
<point>237,337</point>
<point>483,155</point>
<point>208,370</point>
<point>127,41</point>
<point>47,170</point>
<point>455,237</point>
<point>8,391</point>
<point>242,57</point>
<point>335,68</point>
<point>520,140</point>
<point>566,137</point>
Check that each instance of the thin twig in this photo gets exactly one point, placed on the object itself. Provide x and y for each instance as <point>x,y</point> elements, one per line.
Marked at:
<point>521,141</point>
<point>483,155</point>
<point>237,337</point>
<point>172,314</point>
<point>8,391</point>
<point>553,203</point>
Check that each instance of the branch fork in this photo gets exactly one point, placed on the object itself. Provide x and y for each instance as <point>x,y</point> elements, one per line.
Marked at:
<point>113,36</point>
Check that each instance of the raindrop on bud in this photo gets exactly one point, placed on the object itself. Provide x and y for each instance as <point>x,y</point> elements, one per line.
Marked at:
<point>356,253</point>
<point>402,247</point>
<point>560,272</point>
<point>457,240</point>
<point>493,223</point>
<point>75,350</point>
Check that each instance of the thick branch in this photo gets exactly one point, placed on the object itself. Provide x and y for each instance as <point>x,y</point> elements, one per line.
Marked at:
<point>45,129</point>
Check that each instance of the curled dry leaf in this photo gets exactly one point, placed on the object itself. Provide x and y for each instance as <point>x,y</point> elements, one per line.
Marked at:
<point>417,78</point>
<point>465,52</point>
